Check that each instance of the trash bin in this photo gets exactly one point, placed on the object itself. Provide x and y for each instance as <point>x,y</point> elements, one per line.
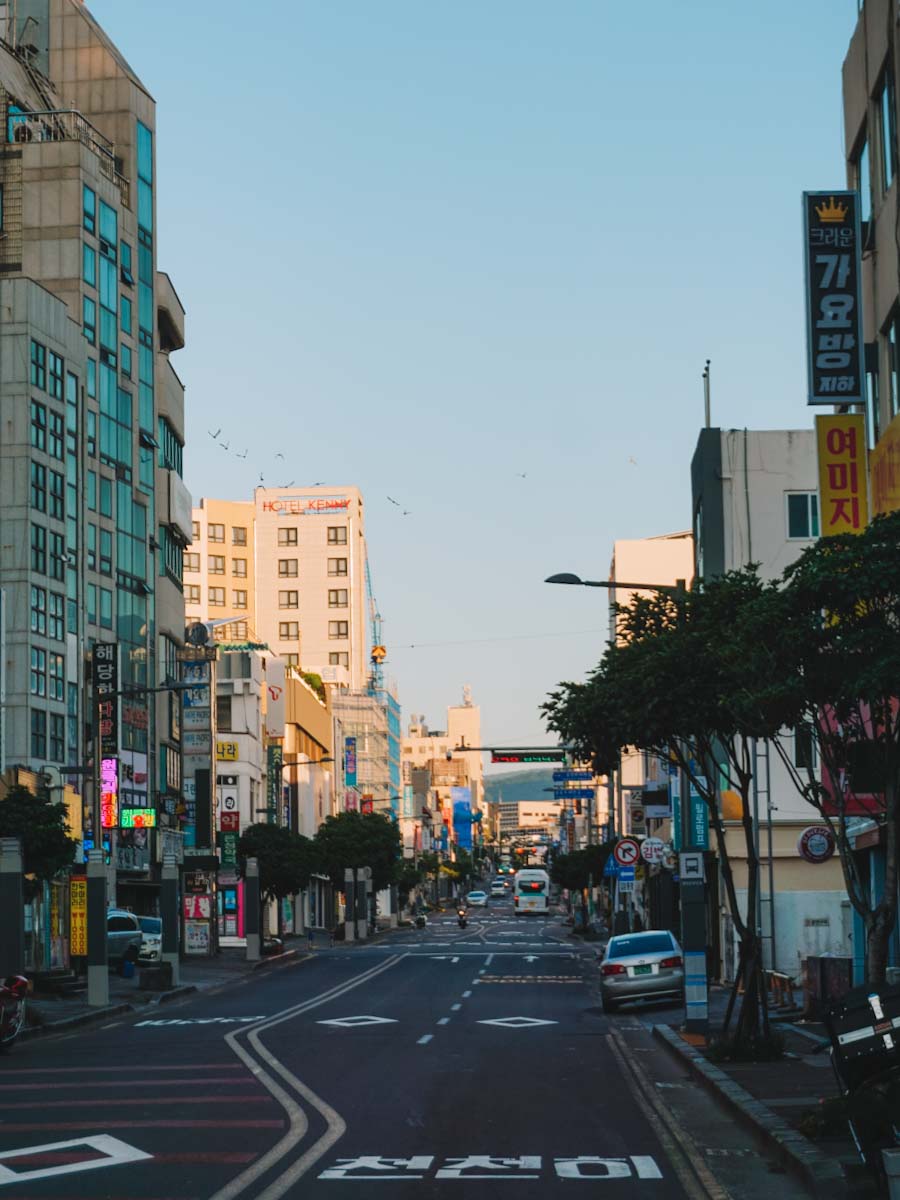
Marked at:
<point>127,969</point>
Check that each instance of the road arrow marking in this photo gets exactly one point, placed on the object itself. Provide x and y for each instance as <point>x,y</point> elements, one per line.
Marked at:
<point>358,1022</point>
<point>113,1151</point>
<point>517,1022</point>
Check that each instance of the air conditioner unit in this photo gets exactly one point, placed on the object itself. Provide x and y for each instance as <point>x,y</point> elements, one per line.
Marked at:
<point>32,129</point>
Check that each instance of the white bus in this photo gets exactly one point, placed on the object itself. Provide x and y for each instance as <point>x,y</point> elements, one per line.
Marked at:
<point>531,892</point>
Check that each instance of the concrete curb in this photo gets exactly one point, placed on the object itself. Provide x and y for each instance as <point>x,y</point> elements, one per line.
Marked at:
<point>822,1175</point>
<point>88,1018</point>
<point>175,993</point>
<point>273,960</point>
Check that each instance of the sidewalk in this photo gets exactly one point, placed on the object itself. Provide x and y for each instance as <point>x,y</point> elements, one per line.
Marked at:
<point>48,1013</point>
<point>791,1104</point>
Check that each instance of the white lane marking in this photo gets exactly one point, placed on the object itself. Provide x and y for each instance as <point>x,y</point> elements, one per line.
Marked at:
<point>455,1007</point>
<point>114,1152</point>
<point>466,995</point>
<point>297,1121</point>
<point>357,1022</point>
<point>444,1021</point>
<point>487,961</point>
<point>456,959</point>
<point>423,1041</point>
<point>198,1021</point>
<point>518,1022</point>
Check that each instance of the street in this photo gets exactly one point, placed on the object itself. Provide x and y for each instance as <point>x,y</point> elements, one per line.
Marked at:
<point>428,1060</point>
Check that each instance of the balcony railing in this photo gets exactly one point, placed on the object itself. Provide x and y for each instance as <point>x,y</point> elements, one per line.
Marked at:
<point>67,125</point>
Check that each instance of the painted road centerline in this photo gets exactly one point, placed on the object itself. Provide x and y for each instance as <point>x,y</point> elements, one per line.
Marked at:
<point>444,1021</point>
<point>423,1041</point>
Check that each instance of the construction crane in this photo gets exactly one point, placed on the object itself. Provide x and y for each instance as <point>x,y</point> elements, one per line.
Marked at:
<point>378,653</point>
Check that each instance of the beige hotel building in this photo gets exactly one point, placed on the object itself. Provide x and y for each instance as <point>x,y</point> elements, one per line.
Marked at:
<point>287,568</point>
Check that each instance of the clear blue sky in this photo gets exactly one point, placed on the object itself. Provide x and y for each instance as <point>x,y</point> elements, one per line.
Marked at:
<point>427,247</point>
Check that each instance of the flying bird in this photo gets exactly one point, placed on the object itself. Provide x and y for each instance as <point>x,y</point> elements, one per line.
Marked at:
<point>224,445</point>
<point>407,512</point>
<point>214,435</point>
<point>279,455</point>
<point>393,501</point>
<point>287,485</point>
<point>633,461</point>
<point>236,455</point>
<point>521,474</point>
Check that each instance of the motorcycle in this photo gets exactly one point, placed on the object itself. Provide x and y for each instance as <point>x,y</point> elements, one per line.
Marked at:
<point>421,921</point>
<point>13,991</point>
<point>462,918</point>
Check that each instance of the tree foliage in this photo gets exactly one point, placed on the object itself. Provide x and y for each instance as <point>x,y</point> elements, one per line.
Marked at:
<point>354,839</point>
<point>42,827</point>
<point>286,860</point>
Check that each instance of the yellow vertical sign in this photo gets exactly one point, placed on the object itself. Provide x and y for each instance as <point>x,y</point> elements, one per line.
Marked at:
<point>843,478</point>
<point>78,915</point>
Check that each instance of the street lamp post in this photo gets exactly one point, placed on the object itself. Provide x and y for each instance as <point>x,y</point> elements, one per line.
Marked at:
<point>693,893</point>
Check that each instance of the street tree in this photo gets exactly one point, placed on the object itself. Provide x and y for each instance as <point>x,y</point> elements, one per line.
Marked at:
<point>286,862</point>
<point>684,681</point>
<point>841,611</point>
<point>580,870</point>
<point>354,839</point>
<point>42,826</point>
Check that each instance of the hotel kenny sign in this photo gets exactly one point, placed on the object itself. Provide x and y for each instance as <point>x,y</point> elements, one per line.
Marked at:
<point>834,339</point>
<point>306,506</point>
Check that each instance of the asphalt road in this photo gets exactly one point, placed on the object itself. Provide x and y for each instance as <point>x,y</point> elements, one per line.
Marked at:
<point>435,1063</point>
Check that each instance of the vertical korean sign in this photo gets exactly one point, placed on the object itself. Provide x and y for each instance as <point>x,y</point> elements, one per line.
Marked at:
<point>841,446</point>
<point>105,676</point>
<point>350,761</point>
<point>834,336</point>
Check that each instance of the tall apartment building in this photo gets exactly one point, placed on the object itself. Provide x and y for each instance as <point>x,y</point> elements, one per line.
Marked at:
<point>93,512</point>
<point>298,574</point>
<point>870,137</point>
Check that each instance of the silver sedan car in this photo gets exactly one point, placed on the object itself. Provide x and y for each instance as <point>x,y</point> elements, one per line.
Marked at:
<point>641,966</point>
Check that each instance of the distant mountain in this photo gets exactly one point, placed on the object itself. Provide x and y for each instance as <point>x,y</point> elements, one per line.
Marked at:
<point>519,785</point>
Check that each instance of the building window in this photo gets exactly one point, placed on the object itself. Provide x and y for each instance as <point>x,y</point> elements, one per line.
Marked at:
<point>337,598</point>
<point>57,738</point>
<point>38,734</point>
<point>89,319</point>
<point>874,416</point>
<point>338,658</point>
<point>38,487</point>
<point>288,600</point>
<point>39,549</point>
<point>57,677</point>
<point>38,610</point>
<point>106,551</point>
<point>888,129</point>
<point>38,365</point>
<point>56,616</point>
<point>56,444</point>
<point>805,751</point>
<point>291,659</point>
<point>57,496</point>
<point>171,450</point>
<point>57,371</point>
<point>191,561</point>
<point>338,629</point>
<point>892,338</point>
<point>288,631</point>
<point>217,564</point>
<point>90,211</point>
<point>125,267</point>
<point>192,593</point>
<point>337,566</point>
<point>38,425</point>
<point>239,568</point>
<point>89,265</point>
<point>862,179</point>
<point>215,533</point>
<point>106,617</point>
<point>223,713</point>
<point>802,515</point>
<point>195,531</point>
<point>217,597</point>
<point>240,599</point>
<point>38,671</point>
<point>337,535</point>
<point>287,537</point>
<point>287,567</point>
<point>239,535</point>
<point>58,557</point>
